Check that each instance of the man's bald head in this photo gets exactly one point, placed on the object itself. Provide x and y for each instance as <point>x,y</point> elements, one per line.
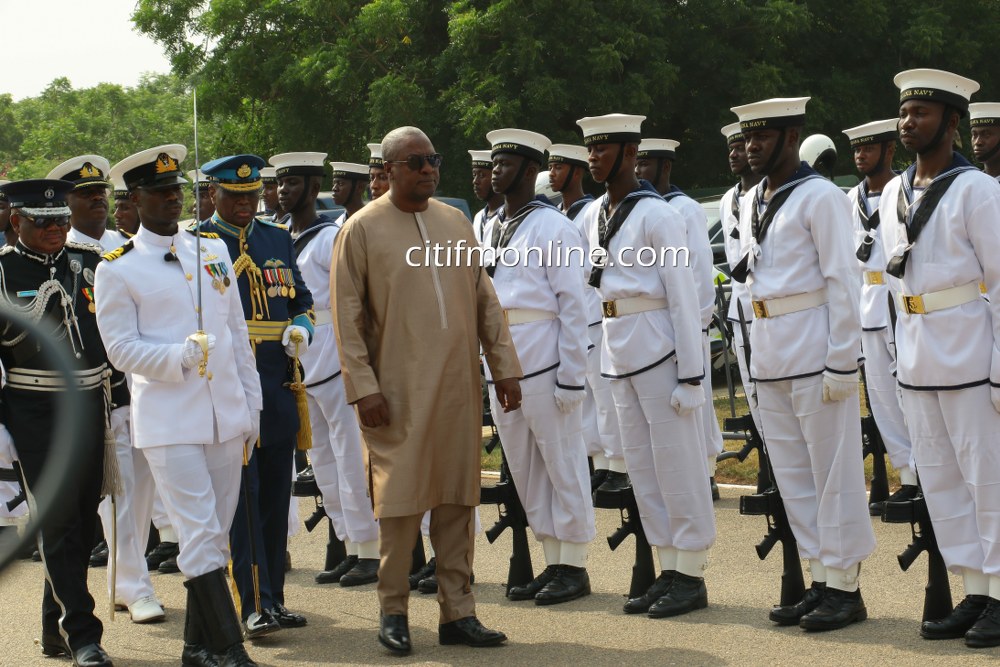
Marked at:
<point>394,144</point>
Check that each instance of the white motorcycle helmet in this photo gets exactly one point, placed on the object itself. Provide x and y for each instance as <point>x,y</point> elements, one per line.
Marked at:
<point>819,153</point>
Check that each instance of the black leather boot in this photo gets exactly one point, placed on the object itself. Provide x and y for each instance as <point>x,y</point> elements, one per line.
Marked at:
<point>614,481</point>
<point>194,653</point>
<point>685,594</point>
<point>836,610</point>
<point>394,633</point>
<point>641,604</point>
<point>530,590</point>
<point>569,583</point>
<point>958,622</point>
<point>986,631</point>
<point>365,571</point>
<point>333,576</point>
<point>429,568</point>
<point>792,614</point>
<point>220,629</point>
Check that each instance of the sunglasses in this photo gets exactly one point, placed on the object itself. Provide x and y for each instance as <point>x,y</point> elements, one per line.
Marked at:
<point>42,223</point>
<point>416,162</point>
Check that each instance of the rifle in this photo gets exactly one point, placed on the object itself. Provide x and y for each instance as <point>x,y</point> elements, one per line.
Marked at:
<point>512,516</point>
<point>769,504</point>
<point>643,572</point>
<point>746,424</point>
<point>874,446</point>
<point>13,475</point>
<point>937,592</point>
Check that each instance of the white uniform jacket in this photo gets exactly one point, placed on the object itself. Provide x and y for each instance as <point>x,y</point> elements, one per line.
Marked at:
<point>108,241</point>
<point>809,247</point>
<point>955,347</point>
<point>731,221</point>
<point>699,250</point>
<point>545,282</point>
<point>635,343</point>
<point>145,311</point>
<point>874,296</point>
<point>321,360</point>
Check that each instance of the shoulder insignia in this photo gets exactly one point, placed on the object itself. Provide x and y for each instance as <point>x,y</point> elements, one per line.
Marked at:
<point>89,247</point>
<point>192,227</point>
<point>118,252</point>
<point>269,223</point>
<point>6,249</point>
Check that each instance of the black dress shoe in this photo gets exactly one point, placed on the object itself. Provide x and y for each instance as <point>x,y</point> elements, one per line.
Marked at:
<point>903,494</point>
<point>287,619</point>
<point>365,571</point>
<point>530,590</point>
<point>36,557</point>
<point>958,622</point>
<point>685,594</point>
<point>792,614</point>
<point>427,570</point>
<point>641,604</point>
<point>169,566</point>
<point>236,656</point>
<point>91,655</point>
<point>162,552</point>
<point>394,633</point>
<point>836,610</point>
<point>99,556</point>
<point>428,585</point>
<point>569,583</point>
<point>52,645</point>
<point>614,481</point>
<point>195,655</point>
<point>597,478</point>
<point>469,631</point>
<point>715,488</point>
<point>986,631</point>
<point>260,625</point>
<point>334,575</point>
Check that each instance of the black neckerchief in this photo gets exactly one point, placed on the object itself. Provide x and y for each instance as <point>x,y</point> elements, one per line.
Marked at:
<point>914,221</point>
<point>577,206</point>
<point>759,225</point>
<point>607,228</point>
<point>869,222</point>
<point>734,208</point>
<point>309,233</point>
<point>503,229</point>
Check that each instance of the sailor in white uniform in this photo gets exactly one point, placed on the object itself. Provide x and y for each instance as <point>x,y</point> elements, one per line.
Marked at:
<point>652,353</point>
<point>798,251</point>
<point>739,300</point>
<point>147,311</point>
<point>482,222</point>
<point>984,117</point>
<point>940,234</point>
<point>542,296</point>
<point>874,145</point>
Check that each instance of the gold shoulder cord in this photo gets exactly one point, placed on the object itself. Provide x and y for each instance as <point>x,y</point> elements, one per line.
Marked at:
<point>255,277</point>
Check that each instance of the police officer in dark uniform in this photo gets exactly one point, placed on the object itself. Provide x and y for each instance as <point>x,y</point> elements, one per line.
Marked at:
<point>51,282</point>
<point>275,303</point>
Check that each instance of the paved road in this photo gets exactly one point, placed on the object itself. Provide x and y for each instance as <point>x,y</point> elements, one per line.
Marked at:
<point>592,631</point>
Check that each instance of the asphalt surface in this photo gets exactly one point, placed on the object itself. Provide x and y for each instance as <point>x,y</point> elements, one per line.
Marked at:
<point>734,630</point>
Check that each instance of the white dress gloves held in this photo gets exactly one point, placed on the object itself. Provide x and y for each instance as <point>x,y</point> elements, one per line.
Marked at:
<point>839,386</point>
<point>687,398</point>
<point>193,353</point>
<point>567,400</point>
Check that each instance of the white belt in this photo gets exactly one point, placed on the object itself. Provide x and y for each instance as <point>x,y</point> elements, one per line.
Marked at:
<point>526,315</point>
<point>631,306</point>
<point>323,317</point>
<point>874,278</point>
<point>921,304</point>
<point>38,380</point>
<point>789,304</point>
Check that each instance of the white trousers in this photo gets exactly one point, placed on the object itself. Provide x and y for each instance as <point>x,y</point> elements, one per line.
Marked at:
<point>133,509</point>
<point>665,458</point>
<point>880,360</point>
<point>814,453</point>
<point>200,486</point>
<point>338,462</point>
<point>548,461</point>
<point>749,390</point>
<point>954,436</point>
<point>600,419</point>
<point>160,519</point>
<point>710,423</point>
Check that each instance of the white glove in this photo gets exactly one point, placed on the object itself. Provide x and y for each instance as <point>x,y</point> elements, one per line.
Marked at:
<point>193,354</point>
<point>838,386</point>
<point>254,435</point>
<point>120,420</point>
<point>286,340</point>
<point>687,398</point>
<point>995,397</point>
<point>567,400</point>
<point>7,452</point>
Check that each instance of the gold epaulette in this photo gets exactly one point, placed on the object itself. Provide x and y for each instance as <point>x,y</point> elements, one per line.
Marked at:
<point>89,247</point>
<point>192,227</point>
<point>6,249</point>
<point>119,251</point>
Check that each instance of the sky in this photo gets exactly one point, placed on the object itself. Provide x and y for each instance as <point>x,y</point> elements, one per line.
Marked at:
<point>87,42</point>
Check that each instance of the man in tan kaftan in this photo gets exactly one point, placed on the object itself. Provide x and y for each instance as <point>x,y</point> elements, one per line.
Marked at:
<point>408,331</point>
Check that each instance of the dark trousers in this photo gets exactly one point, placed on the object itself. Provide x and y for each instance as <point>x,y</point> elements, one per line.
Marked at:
<point>268,482</point>
<point>67,536</point>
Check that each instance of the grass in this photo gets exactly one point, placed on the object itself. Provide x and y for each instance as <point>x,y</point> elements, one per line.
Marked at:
<point>731,471</point>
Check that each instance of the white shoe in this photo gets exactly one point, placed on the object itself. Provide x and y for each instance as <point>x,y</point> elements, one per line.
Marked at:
<point>146,609</point>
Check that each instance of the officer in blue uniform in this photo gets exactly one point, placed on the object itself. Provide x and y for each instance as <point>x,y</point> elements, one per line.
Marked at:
<point>275,303</point>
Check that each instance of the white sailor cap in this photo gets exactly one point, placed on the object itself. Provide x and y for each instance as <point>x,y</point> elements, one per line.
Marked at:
<point>984,113</point>
<point>199,177</point>
<point>375,161</point>
<point>350,170</point>
<point>116,176</point>
<point>298,164</point>
<point>83,171</point>
<point>612,128</point>
<point>153,168</point>
<point>876,132</point>
<point>568,154</point>
<point>481,159</point>
<point>519,142</point>
<point>268,175</point>
<point>657,148</point>
<point>775,113</point>
<point>936,86</point>
<point>732,133</point>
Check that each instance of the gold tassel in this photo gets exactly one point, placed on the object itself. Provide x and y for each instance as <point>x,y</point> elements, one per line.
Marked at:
<point>298,387</point>
<point>112,482</point>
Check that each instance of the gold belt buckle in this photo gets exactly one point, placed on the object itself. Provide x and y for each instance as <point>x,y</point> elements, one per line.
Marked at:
<point>913,304</point>
<point>506,318</point>
<point>609,308</point>
<point>760,309</point>
<point>875,278</point>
